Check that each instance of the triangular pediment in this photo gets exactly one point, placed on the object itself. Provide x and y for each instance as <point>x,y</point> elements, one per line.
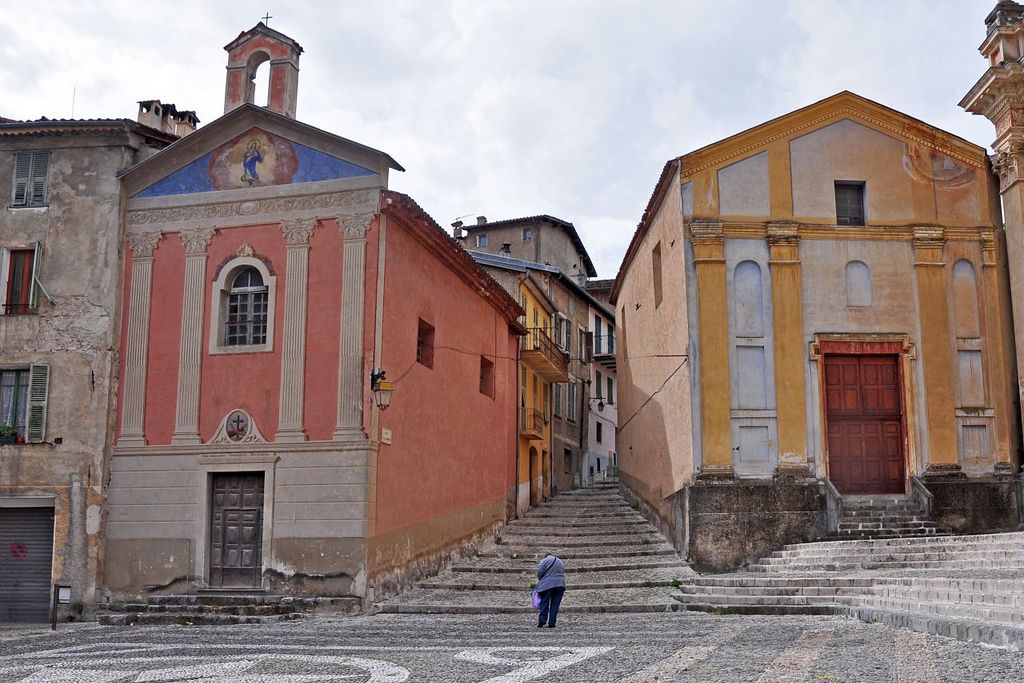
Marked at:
<point>249,148</point>
<point>841,106</point>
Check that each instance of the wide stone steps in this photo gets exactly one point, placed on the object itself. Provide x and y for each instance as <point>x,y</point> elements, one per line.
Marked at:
<point>586,542</point>
<point>219,608</point>
<point>614,560</point>
<point>968,587</point>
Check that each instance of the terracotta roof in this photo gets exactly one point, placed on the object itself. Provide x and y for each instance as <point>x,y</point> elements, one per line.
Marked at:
<point>523,266</point>
<point>451,253</point>
<point>45,126</point>
<point>565,225</point>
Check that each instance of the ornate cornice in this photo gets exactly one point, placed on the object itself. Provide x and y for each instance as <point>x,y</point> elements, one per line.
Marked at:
<point>355,227</point>
<point>143,243</point>
<point>719,153</point>
<point>196,240</point>
<point>782,233</point>
<point>254,207</point>
<point>707,230</point>
<point>929,236</point>
<point>298,231</point>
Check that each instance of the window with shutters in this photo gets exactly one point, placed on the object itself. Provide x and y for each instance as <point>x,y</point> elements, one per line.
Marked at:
<point>23,396</point>
<point>849,202</point>
<point>243,308</point>
<point>598,389</point>
<point>18,266</point>
<point>570,407</point>
<point>31,170</point>
<point>558,400</point>
<point>599,431</point>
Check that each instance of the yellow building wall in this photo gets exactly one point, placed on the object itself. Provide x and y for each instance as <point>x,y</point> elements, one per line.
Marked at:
<point>927,205</point>
<point>532,385</point>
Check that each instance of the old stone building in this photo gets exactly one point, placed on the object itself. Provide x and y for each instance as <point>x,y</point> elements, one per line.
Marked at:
<point>276,292</point>
<point>813,309</point>
<point>557,357</point>
<point>538,239</point>
<point>60,239</point>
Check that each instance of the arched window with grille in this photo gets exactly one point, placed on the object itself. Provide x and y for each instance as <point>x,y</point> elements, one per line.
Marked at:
<point>247,310</point>
<point>243,307</point>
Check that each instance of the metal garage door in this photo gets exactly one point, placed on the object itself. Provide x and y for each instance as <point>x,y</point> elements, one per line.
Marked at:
<point>26,554</point>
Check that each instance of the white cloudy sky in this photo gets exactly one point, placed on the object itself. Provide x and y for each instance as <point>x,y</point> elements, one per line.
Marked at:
<point>513,107</point>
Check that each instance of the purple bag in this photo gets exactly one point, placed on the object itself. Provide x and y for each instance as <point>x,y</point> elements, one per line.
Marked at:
<point>535,599</point>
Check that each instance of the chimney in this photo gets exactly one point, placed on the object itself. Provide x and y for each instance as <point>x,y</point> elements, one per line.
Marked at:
<point>167,118</point>
<point>481,220</point>
<point>185,123</point>
<point>457,230</point>
<point>151,113</point>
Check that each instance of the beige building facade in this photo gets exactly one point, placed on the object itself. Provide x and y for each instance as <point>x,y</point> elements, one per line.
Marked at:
<point>813,309</point>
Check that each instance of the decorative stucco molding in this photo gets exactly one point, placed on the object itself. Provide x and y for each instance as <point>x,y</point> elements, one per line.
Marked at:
<point>290,409</point>
<point>782,233</point>
<point>298,231</point>
<point>1008,163</point>
<point>228,432</point>
<point>350,358</point>
<point>196,240</point>
<point>134,403</point>
<point>143,243</point>
<point>190,354</point>
<point>355,227</point>
<point>327,201</point>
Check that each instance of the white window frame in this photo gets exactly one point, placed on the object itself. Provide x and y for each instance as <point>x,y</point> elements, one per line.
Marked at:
<point>219,306</point>
<point>482,241</point>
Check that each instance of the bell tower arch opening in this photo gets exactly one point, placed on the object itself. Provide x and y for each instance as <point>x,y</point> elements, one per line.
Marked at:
<point>258,79</point>
<point>262,60</point>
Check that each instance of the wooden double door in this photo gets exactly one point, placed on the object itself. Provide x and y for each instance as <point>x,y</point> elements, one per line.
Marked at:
<point>236,531</point>
<point>864,423</point>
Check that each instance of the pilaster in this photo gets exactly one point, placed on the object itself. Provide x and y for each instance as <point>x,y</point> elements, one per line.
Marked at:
<point>997,374</point>
<point>190,354</point>
<point>350,352</point>
<point>787,326</point>
<point>133,406</point>
<point>713,335</point>
<point>293,368</point>
<point>936,351</point>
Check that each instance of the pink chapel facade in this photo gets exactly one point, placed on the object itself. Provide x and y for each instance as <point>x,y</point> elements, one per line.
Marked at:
<point>269,273</point>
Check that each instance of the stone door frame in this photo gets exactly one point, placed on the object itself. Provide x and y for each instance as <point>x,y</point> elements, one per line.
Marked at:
<point>862,345</point>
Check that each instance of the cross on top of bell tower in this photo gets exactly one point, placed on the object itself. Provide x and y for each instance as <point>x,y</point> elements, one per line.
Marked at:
<point>245,55</point>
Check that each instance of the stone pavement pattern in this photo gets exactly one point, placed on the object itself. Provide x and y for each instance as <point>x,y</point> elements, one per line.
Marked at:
<point>504,648</point>
<point>614,561</point>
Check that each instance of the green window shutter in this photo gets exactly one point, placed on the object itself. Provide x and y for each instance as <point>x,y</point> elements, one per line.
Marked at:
<point>22,177</point>
<point>38,388</point>
<point>40,173</point>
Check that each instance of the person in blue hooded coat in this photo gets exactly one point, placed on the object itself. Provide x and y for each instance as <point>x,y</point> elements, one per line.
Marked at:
<point>550,587</point>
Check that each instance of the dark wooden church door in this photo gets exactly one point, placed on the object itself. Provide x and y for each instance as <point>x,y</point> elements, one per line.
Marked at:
<point>236,531</point>
<point>865,424</point>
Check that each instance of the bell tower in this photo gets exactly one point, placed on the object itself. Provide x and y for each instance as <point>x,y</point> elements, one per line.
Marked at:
<point>999,96</point>
<point>246,53</point>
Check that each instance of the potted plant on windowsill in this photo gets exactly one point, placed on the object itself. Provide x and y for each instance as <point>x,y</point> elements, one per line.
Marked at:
<point>8,435</point>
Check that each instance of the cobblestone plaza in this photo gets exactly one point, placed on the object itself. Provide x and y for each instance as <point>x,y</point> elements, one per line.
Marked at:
<point>503,648</point>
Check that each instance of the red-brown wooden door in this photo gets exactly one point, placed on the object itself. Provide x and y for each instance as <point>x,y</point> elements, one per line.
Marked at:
<point>236,531</point>
<point>864,419</point>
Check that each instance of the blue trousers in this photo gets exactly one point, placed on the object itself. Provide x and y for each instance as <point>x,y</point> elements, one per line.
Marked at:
<point>549,602</point>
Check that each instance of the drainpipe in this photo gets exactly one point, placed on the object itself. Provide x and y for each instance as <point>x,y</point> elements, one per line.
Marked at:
<point>519,348</point>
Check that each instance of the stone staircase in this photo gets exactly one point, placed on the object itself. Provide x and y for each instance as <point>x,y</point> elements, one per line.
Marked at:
<point>966,587</point>
<point>215,608</point>
<point>615,561</point>
<point>885,517</point>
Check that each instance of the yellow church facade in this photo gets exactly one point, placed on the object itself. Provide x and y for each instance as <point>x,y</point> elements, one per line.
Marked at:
<point>814,310</point>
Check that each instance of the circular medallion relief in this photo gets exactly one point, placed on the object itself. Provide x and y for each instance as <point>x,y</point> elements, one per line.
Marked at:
<point>237,426</point>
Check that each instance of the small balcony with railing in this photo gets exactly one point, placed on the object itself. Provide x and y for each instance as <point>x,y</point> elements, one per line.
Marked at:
<point>604,350</point>
<point>531,423</point>
<point>542,355</point>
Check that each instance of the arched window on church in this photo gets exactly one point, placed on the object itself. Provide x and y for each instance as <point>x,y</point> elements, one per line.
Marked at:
<point>247,310</point>
<point>242,310</point>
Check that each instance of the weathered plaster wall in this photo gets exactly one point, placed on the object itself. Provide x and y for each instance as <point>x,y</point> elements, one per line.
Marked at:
<point>743,187</point>
<point>655,443</point>
<point>442,479</point>
<point>79,237</point>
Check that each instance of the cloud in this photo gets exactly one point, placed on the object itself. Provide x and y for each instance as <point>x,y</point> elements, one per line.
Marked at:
<point>509,108</point>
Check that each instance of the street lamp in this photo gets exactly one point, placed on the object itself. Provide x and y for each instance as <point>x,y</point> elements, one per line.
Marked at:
<point>381,388</point>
